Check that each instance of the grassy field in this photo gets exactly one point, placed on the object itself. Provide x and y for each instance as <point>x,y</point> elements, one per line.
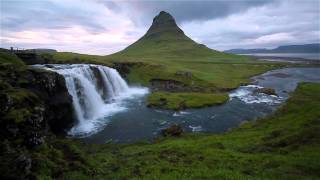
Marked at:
<point>285,145</point>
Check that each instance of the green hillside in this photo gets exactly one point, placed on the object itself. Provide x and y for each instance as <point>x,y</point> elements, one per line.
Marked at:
<point>166,53</point>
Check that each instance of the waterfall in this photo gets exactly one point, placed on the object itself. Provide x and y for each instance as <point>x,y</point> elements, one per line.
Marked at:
<point>97,92</point>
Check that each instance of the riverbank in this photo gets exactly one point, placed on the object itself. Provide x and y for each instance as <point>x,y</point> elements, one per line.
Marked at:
<point>294,60</point>
<point>284,145</point>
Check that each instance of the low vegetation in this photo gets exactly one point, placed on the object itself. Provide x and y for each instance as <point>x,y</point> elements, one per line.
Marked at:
<point>285,145</point>
<point>178,101</point>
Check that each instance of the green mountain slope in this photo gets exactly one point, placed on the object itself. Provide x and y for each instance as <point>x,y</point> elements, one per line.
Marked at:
<point>165,39</point>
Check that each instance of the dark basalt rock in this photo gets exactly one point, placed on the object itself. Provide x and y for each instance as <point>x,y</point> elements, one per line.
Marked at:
<point>173,130</point>
<point>5,103</point>
<point>170,85</point>
<point>24,120</point>
<point>167,85</point>
<point>268,91</point>
<point>31,102</point>
<point>16,163</point>
<point>51,88</point>
<point>124,67</point>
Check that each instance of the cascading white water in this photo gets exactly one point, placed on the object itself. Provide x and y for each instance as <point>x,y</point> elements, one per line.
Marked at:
<point>97,92</point>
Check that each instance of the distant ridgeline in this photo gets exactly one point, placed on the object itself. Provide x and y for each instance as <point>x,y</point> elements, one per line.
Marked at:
<point>305,48</point>
<point>37,50</point>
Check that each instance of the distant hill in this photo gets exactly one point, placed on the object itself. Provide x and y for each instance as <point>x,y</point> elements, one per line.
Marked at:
<point>304,48</point>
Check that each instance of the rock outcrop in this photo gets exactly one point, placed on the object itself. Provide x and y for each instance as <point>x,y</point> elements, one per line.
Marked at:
<point>124,67</point>
<point>32,102</point>
<point>51,88</point>
<point>170,85</point>
<point>167,85</point>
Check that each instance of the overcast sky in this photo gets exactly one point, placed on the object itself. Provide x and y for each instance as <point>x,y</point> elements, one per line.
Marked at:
<point>103,27</point>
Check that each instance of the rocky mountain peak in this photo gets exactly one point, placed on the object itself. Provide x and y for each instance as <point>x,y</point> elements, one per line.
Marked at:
<point>163,22</point>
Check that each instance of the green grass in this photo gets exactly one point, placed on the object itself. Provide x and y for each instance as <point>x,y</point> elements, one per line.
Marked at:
<point>9,58</point>
<point>285,145</point>
<point>165,50</point>
<point>178,101</point>
<point>219,73</point>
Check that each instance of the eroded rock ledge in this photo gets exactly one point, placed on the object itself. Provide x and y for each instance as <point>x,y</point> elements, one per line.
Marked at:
<point>170,85</point>
<point>32,103</point>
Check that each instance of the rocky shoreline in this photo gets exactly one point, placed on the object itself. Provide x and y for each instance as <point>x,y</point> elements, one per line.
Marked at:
<point>293,60</point>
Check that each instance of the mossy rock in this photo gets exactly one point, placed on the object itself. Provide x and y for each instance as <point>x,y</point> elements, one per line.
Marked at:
<point>179,101</point>
<point>173,130</point>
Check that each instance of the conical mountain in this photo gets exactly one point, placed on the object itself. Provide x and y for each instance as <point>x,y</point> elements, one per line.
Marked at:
<point>163,23</point>
<point>165,39</point>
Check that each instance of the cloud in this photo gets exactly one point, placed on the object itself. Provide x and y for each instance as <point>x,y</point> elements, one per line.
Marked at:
<point>69,25</point>
<point>104,27</point>
<point>142,12</point>
<point>23,14</point>
<point>270,25</point>
<point>274,38</point>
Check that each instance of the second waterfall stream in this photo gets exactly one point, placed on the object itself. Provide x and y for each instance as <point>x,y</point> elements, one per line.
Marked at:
<point>97,92</point>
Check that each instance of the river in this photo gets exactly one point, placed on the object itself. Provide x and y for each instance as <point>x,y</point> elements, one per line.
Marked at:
<point>139,123</point>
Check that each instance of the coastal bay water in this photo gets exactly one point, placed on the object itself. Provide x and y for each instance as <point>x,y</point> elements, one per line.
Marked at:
<point>139,123</point>
<point>307,56</point>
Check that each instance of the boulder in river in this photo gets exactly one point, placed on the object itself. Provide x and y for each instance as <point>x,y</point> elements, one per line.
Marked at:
<point>268,91</point>
<point>280,75</point>
<point>173,130</point>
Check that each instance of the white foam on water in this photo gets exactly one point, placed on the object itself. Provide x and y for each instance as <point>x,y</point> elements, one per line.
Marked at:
<point>196,128</point>
<point>247,95</point>
<point>180,113</point>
